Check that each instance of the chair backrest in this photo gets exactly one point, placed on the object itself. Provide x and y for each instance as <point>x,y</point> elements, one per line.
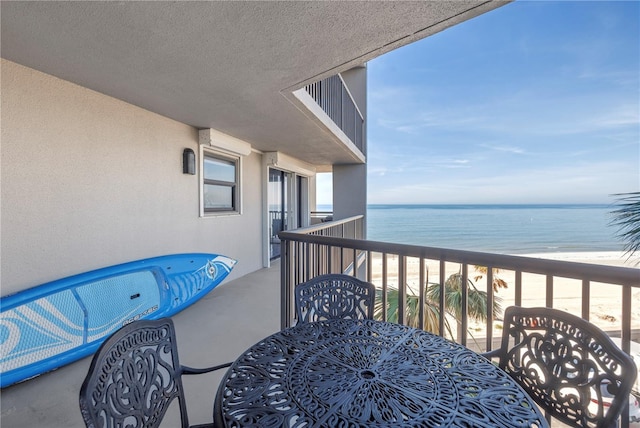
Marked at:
<point>569,366</point>
<point>134,377</point>
<point>334,296</point>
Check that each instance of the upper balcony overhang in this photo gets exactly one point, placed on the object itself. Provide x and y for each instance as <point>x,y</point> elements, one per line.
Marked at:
<point>230,66</point>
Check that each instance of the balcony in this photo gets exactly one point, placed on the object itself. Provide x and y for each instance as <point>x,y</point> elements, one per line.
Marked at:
<point>239,313</point>
<point>334,98</point>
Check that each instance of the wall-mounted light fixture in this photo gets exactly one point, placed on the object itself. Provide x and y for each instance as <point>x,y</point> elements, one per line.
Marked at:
<point>188,162</point>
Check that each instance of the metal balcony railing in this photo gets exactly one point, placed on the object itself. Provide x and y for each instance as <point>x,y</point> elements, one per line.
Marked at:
<point>333,96</point>
<point>406,275</point>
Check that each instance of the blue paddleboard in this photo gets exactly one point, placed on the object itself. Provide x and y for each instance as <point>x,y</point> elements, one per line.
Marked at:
<point>54,324</point>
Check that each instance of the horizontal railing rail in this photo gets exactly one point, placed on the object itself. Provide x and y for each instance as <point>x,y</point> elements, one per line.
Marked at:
<point>333,96</point>
<point>321,216</point>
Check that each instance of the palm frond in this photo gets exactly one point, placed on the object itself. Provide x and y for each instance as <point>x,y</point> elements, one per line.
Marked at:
<point>412,314</point>
<point>626,217</point>
<point>476,299</point>
<point>497,282</point>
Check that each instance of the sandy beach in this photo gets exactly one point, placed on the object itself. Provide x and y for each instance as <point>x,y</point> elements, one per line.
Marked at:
<point>606,306</point>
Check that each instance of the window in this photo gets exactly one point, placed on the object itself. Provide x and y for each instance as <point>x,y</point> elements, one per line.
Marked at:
<point>220,183</point>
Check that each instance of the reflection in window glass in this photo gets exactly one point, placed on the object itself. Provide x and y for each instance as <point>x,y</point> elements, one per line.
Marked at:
<point>219,170</point>
<point>218,197</point>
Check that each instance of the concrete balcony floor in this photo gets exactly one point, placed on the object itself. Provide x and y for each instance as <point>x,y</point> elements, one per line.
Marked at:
<point>217,329</point>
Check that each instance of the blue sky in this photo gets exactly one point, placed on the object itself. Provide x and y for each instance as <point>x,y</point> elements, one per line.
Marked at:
<point>535,102</point>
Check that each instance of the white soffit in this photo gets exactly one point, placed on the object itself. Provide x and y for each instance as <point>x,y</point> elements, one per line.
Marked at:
<point>224,142</point>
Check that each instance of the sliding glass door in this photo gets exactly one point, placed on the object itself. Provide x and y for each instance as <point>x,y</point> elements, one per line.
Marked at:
<point>278,208</point>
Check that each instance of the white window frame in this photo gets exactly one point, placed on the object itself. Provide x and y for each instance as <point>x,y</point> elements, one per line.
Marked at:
<point>225,156</point>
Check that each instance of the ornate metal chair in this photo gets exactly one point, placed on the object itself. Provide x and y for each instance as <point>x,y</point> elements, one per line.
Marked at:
<point>334,296</point>
<point>567,365</point>
<point>134,377</point>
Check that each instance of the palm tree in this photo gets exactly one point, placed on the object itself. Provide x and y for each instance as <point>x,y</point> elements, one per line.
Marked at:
<point>476,304</point>
<point>627,219</point>
<point>476,300</point>
<point>412,313</point>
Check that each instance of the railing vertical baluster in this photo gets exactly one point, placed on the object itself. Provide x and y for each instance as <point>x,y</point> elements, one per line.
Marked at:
<point>307,260</point>
<point>355,263</point>
<point>549,293</point>
<point>286,289</point>
<point>464,310</point>
<point>295,262</point>
<point>625,340</point>
<point>299,267</point>
<point>441,303</point>
<point>586,299</point>
<point>315,259</point>
<point>402,289</point>
<point>422,284</point>
<point>369,267</point>
<point>518,293</point>
<point>626,318</point>
<point>490,304</point>
<point>384,286</point>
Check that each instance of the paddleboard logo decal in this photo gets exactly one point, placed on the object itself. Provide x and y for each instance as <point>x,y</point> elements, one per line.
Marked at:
<point>140,315</point>
<point>210,269</point>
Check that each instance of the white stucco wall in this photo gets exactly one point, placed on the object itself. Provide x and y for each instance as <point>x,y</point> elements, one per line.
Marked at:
<point>89,181</point>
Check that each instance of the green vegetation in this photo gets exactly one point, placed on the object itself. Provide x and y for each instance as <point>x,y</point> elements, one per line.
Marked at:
<point>627,219</point>
<point>476,303</point>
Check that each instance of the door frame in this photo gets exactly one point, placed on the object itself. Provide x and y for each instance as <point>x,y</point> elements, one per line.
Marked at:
<point>299,195</point>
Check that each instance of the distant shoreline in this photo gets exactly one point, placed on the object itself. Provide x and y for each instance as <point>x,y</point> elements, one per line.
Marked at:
<point>486,206</point>
<point>328,207</point>
<point>608,258</point>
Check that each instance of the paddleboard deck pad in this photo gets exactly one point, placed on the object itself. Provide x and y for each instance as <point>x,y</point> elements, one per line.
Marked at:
<point>54,324</point>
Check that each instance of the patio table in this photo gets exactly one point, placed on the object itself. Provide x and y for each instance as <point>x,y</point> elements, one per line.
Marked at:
<point>365,373</point>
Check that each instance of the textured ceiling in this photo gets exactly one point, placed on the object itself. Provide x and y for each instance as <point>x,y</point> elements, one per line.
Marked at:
<point>225,65</point>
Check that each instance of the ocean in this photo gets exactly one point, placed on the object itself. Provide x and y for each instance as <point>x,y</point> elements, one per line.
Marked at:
<point>502,229</point>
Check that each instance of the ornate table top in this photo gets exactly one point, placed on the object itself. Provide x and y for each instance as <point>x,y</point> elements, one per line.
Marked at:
<point>368,374</point>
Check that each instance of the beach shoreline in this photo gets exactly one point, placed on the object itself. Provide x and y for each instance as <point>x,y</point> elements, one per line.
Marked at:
<point>607,258</point>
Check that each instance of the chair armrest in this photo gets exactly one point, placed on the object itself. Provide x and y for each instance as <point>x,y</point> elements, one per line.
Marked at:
<point>190,370</point>
<point>492,354</point>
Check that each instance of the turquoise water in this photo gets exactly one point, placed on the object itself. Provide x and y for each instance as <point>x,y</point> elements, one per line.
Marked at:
<point>504,229</point>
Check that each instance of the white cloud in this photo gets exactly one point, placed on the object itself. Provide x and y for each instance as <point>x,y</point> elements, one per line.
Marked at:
<point>507,149</point>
